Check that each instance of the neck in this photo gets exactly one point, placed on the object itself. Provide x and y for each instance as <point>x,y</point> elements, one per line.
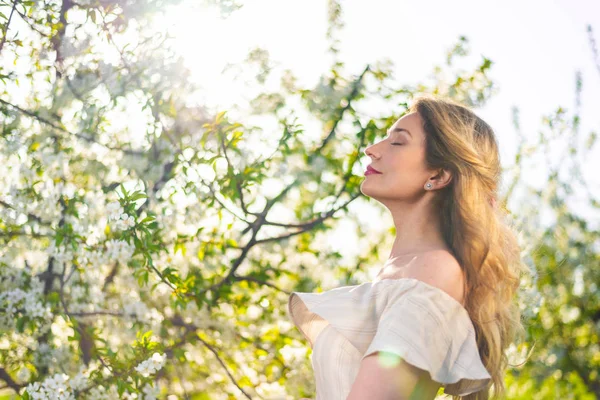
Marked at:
<point>417,229</point>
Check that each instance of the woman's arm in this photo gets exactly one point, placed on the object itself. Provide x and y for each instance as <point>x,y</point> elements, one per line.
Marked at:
<point>402,381</point>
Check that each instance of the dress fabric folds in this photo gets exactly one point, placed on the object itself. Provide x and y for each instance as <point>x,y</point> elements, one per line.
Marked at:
<point>422,324</point>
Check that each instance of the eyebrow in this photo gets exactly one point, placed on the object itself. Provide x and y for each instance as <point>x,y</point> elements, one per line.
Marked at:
<point>399,130</point>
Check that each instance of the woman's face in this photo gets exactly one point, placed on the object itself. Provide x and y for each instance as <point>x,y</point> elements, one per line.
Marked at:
<point>400,157</point>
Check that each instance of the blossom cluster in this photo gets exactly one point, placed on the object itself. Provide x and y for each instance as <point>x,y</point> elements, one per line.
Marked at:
<point>148,393</point>
<point>61,387</point>
<point>119,250</point>
<point>54,387</point>
<point>26,302</point>
<point>151,365</point>
<point>122,220</point>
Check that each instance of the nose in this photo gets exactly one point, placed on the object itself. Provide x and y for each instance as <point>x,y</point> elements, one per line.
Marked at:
<point>369,151</point>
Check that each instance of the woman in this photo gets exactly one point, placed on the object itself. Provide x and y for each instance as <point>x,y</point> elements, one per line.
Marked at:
<point>441,311</point>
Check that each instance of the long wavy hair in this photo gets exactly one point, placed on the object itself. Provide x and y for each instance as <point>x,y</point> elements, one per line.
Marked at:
<point>475,227</point>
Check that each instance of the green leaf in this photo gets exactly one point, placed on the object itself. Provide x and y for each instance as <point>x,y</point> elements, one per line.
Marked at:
<point>121,386</point>
<point>53,297</point>
<point>21,324</point>
<point>138,195</point>
<point>219,117</point>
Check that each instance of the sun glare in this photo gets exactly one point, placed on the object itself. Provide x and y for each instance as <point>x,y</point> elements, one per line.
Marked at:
<point>203,39</point>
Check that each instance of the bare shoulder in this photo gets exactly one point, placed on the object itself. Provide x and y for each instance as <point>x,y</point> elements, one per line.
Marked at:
<point>439,268</point>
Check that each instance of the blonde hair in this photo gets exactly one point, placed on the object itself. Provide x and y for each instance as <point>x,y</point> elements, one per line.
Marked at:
<point>476,230</point>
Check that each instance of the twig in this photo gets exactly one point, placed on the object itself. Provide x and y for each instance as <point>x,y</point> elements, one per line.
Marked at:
<point>5,33</point>
<point>60,128</point>
<point>252,279</point>
<point>593,47</point>
<point>30,216</point>
<point>31,25</point>
<point>238,184</point>
<point>308,226</point>
<point>92,313</point>
<point>353,94</point>
<point>212,350</point>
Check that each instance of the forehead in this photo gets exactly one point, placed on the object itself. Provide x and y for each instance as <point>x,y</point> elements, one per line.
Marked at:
<point>412,122</point>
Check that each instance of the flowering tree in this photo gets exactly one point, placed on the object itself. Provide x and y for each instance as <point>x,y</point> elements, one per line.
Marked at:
<point>149,245</point>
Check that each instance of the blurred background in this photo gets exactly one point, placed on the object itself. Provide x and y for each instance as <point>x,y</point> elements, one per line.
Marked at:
<point>171,170</point>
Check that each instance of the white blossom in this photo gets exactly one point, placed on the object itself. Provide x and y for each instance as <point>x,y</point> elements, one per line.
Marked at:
<point>292,354</point>
<point>119,250</point>
<point>27,302</point>
<point>136,309</point>
<point>79,381</point>
<point>125,221</point>
<point>35,309</point>
<point>151,365</point>
<point>114,210</point>
<point>271,389</point>
<point>254,311</point>
<point>33,389</point>
<point>77,292</point>
<point>62,255</point>
<point>150,393</point>
<point>24,374</point>
<point>26,171</point>
<point>103,393</point>
<point>94,258</point>
<point>12,298</point>
<point>54,387</point>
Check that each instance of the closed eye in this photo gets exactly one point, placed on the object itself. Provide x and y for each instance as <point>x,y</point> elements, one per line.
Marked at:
<point>396,144</point>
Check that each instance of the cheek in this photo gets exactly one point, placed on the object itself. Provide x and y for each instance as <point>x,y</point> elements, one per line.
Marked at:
<point>409,163</point>
<point>409,169</point>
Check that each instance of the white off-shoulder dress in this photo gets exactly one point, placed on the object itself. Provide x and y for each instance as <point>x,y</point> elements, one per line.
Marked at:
<point>421,323</point>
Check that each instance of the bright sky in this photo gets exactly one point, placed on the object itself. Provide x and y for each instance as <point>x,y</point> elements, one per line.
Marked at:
<point>536,46</point>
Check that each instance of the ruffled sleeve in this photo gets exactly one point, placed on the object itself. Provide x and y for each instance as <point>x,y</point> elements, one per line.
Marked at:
<point>429,329</point>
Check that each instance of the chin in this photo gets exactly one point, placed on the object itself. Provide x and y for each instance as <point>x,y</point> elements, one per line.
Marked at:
<point>366,191</point>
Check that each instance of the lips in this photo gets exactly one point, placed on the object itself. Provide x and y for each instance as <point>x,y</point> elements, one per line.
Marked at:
<point>371,169</point>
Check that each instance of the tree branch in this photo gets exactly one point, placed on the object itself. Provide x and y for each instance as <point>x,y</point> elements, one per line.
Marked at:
<point>252,279</point>
<point>5,33</point>
<point>30,216</point>
<point>261,217</point>
<point>58,37</point>
<point>178,321</point>
<point>308,226</point>
<point>238,184</point>
<point>9,380</point>
<point>353,93</point>
<point>594,47</point>
<point>31,24</point>
<point>94,313</point>
<point>62,129</point>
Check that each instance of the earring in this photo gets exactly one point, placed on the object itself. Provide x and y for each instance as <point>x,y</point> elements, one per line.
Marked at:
<point>429,186</point>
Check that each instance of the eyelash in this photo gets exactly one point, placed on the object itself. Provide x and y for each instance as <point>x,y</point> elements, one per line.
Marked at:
<point>397,144</point>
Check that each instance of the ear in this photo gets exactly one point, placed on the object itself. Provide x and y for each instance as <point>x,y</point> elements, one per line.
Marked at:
<point>441,179</point>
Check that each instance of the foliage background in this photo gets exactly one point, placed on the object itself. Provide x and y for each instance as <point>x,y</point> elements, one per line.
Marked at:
<point>136,219</point>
